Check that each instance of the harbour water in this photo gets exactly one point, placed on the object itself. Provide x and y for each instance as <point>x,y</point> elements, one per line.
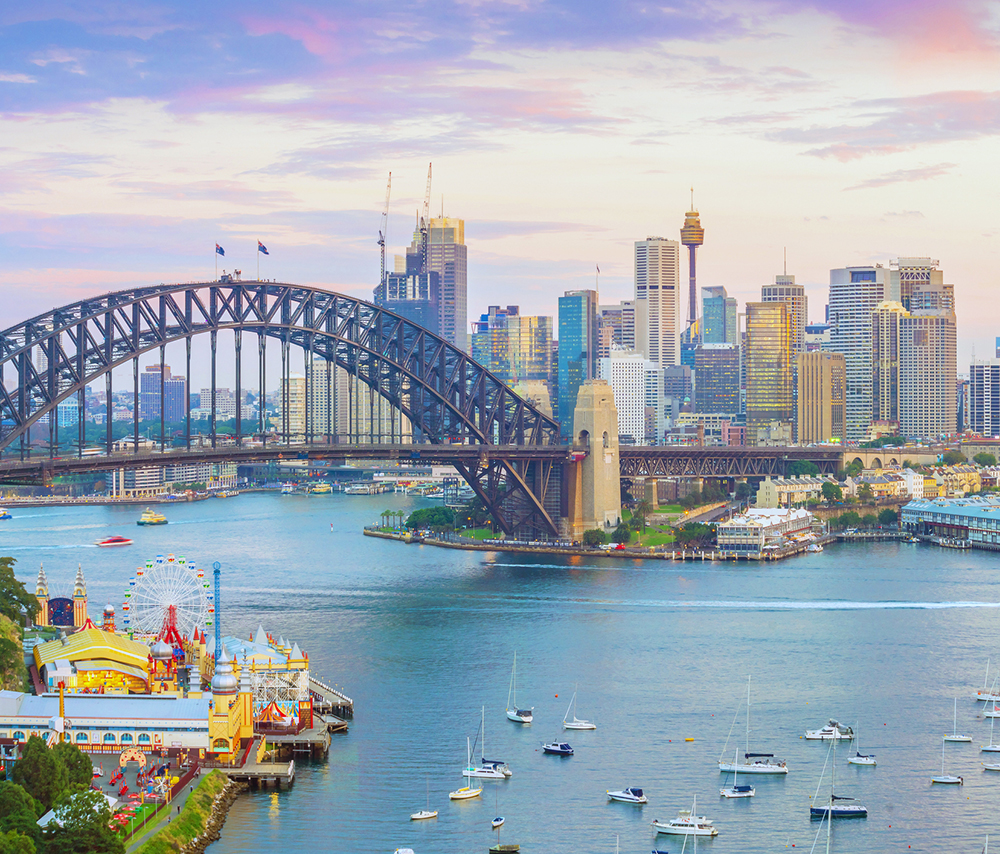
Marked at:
<point>881,636</point>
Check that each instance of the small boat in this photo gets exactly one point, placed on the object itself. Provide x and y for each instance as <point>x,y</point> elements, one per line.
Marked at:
<point>991,766</point>
<point>288,489</point>
<point>403,851</point>
<point>4,514</point>
<point>520,716</point>
<point>151,517</point>
<point>497,822</point>
<point>753,763</point>
<point>630,795</point>
<point>814,548</point>
<point>955,736</point>
<point>576,723</point>
<point>114,541</point>
<point>558,748</point>
<point>860,758</point>
<point>427,812</point>
<point>838,806</point>
<point>737,791</point>
<point>832,731</point>
<point>991,747</point>
<point>505,848</point>
<point>467,791</point>
<point>687,824</point>
<point>949,779</point>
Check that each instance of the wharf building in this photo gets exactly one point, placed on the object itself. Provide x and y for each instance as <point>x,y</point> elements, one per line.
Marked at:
<point>984,398</point>
<point>972,520</point>
<point>759,528</point>
<point>822,379</point>
<point>769,383</point>
<point>578,340</point>
<point>657,298</point>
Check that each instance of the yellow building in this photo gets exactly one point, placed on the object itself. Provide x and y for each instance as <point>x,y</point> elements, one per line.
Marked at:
<point>768,364</point>
<point>94,661</point>
<point>230,713</point>
<point>822,379</point>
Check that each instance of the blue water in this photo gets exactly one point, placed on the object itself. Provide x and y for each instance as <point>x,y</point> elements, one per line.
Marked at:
<point>880,636</point>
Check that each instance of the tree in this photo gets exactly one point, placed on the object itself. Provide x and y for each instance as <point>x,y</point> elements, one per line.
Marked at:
<point>798,468</point>
<point>831,492</point>
<point>40,773</point>
<point>850,519</point>
<point>642,510</point>
<point>888,517</point>
<point>742,491</point>
<point>622,534</point>
<point>854,469</point>
<point>865,493</point>
<point>984,459</point>
<point>695,534</point>
<point>79,768</point>
<point>953,458</point>
<point>84,817</point>
<point>869,520</point>
<point>431,517</point>
<point>594,537</point>
<point>19,812</point>
<point>13,842</point>
<point>14,598</point>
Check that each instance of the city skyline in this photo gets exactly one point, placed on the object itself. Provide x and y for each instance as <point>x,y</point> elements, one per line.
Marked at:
<point>560,136</point>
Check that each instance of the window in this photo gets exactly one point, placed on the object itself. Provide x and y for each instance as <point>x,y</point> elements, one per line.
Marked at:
<point>126,739</point>
<point>144,738</point>
<point>220,744</point>
<point>81,738</point>
<point>109,738</point>
<point>18,736</point>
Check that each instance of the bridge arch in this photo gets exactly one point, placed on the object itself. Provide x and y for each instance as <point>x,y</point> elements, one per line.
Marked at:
<point>444,393</point>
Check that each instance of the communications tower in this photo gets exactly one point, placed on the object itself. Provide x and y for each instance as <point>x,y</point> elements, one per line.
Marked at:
<point>692,236</point>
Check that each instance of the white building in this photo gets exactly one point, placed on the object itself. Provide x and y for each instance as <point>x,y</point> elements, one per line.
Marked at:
<point>657,300</point>
<point>633,379</point>
<point>913,483</point>
<point>753,531</point>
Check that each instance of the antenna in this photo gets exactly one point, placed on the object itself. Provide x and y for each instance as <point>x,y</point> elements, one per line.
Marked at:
<point>692,198</point>
<point>383,232</point>
<point>784,250</point>
<point>424,221</point>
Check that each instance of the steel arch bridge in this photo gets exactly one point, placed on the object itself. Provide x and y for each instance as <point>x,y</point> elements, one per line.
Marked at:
<point>446,396</point>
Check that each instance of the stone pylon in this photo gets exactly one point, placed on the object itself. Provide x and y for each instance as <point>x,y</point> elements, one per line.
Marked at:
<point>594,483</point>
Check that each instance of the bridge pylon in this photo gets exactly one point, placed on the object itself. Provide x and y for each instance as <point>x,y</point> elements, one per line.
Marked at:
<point>594,483</point>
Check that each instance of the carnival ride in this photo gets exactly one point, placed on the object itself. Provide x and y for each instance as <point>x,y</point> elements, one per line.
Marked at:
<point>168,586</point>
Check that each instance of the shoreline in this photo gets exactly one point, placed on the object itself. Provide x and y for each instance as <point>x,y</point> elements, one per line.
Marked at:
<point>69,501</point>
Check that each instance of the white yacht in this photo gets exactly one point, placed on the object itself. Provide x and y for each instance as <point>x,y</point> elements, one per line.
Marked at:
<point>950,779</point>
<point>833,731</point>
<point>629,795</point>
<point>686,824</point>
<point>520,716</point>
<point>992,747</point>
<point>860,758</point>
<point>753,763</point>
<point>575,723</point>
<point>489,769</point>
<point>955,735</point>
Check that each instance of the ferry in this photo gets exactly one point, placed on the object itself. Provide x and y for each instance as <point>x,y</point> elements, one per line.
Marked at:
<point>4,514</point>
<point>151,517</point>
<point>288,489</point>
<point>320,489</point>
<point>114,541</point>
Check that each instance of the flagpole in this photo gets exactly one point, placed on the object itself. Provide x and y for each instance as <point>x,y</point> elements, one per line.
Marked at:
<point>216,262</point>
<point>258,261</point>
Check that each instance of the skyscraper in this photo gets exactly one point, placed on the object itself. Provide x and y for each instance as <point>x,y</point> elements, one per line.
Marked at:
<point>768,364</point>
<point>854,294</point>
<point>927,374</point>
<point>657,300</point>
<point>578,336</point>
<point>516,347</point>
<point>984,398</point>
<point>414,295</point>
<point>692,236</point>
<point>447,255</point>
<point>911,275</point>
<point>719,317</point>
<point>886,320</point>
<point>717,373</point>
<point>174,394</point>
<point>627,372</point>
<point>620,317</point>
<point>821,405</point>
<point>785,290</point>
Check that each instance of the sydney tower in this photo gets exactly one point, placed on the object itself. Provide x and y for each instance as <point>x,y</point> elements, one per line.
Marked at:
<point>692,236</point>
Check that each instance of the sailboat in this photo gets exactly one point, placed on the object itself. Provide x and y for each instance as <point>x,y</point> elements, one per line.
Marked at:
<point>838,807</point>
<point>491,769</point>
<point>991,747</point>
<point>576,723</point>
<point>427,812</point>
<point>496,824</point>
<point>521,716</point>
<point>954,729</point>
<point>737,791</point>
<point>754,763</point>
<point>946,778</point>
<point>860,758</point>
<point>990,693</point>
<point>467,791</point>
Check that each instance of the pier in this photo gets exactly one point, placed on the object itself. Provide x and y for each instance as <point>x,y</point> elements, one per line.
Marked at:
<point>330,701</point>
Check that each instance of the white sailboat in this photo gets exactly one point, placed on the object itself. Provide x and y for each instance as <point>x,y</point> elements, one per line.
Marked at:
<point>946,778</point>
<point>992,747</point>
<point>427,812</point>
<point>955,736</point>
<point>754,763</point>
<point>490,769</point>
<point>860,758</point>
<point>521,716</point>
<point>735,790</point>
<point>468,790</point>
<point>575,723</point>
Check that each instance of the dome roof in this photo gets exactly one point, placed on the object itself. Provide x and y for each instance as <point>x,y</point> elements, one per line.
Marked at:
<point>224,682</point>
<point>162,651</point>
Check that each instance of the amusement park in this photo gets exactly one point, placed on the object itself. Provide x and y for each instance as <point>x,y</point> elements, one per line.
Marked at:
<point>156,695</point>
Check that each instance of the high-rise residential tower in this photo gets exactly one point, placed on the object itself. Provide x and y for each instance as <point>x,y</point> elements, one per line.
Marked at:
<point>821,379</point>
<point>984,398</point>
<point>854,294</point>
<point>886,320</point>
<point>692,236</point>
<point>785,290</point>
<point>768,364</point>
<point>657,300</point>
<point>928,403</point>
<point>578,338</point>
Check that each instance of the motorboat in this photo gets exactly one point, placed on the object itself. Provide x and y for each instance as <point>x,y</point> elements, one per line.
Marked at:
<point>948,779</point>
<point>991,766</point>
<point>834,730</point>
<point>114,541</point>
<point>686,824</point>
<point>151,517</point>
<point>955,735</point>
<point>520,716</point>
<point>629,795</point>
<point>4,514</point>
<point>838,806</point>
<point>497,822</point>
<point>423,814</point>
<point>575,723</point>
<point>814,548</point>
<point>558,748</point>
<point>288,489</point>
<point>735,790</point>
<point>753,763</point>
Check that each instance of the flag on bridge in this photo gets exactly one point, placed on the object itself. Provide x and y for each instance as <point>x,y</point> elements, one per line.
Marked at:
<point>219,250</point>
<point>262,248</point>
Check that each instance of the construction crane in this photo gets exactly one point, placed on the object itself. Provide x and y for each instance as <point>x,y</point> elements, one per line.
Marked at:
<point>425,222</point>
<point>383,231</point>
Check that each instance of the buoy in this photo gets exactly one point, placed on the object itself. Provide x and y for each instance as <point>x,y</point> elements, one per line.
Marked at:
<point>689,739</point>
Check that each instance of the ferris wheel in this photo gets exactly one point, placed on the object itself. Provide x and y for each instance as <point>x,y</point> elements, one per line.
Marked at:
<point>164,582</point>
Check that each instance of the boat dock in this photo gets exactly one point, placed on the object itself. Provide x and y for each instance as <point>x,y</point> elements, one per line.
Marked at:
<point>260,774</point>
<point>330,701</point>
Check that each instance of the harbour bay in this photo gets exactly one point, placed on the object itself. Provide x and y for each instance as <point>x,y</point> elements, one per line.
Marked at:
<point>882,637</point>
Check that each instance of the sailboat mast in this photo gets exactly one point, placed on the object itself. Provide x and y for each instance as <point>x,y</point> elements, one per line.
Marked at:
<point>748,715</point>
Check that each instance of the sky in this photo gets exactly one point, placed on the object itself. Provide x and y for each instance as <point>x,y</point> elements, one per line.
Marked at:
<point>135,136</point>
